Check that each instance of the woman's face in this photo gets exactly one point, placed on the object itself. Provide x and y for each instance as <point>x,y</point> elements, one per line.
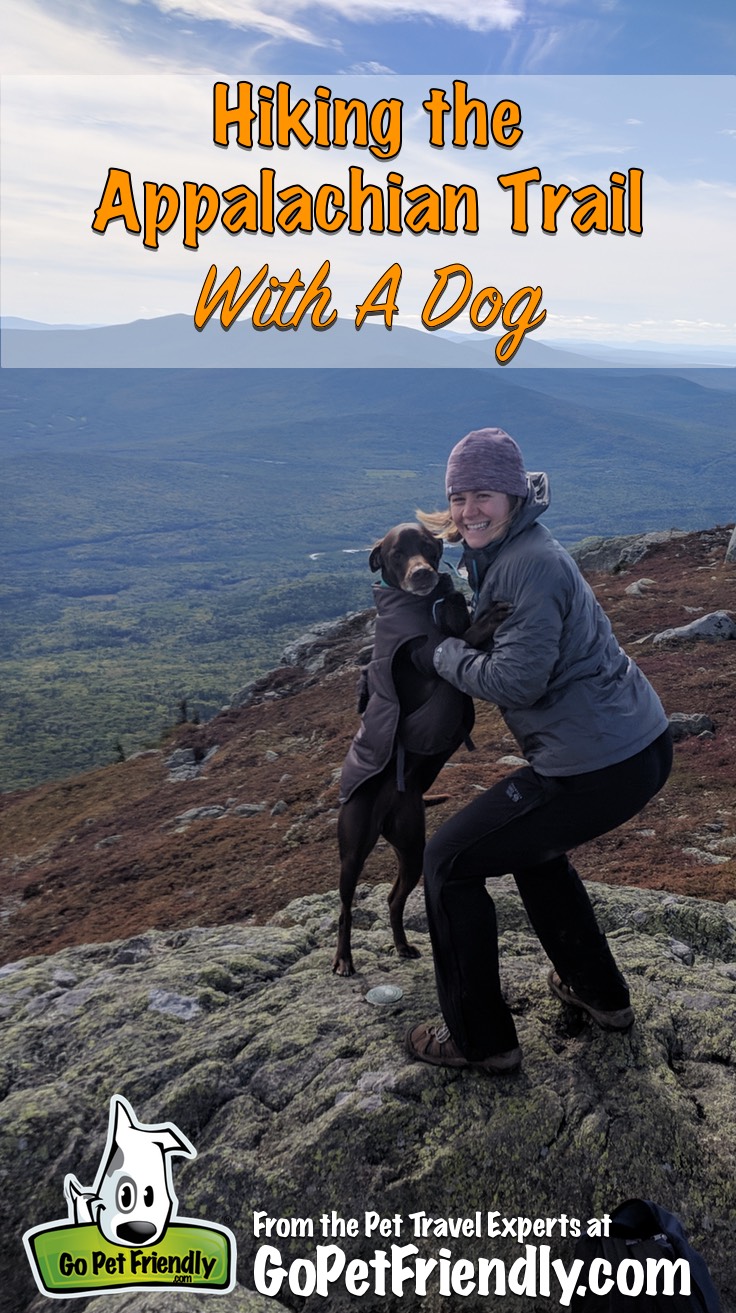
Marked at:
<point>481,516</point>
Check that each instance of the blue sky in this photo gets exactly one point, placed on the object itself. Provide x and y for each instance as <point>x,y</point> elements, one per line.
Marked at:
<point>148,112</point>
<point>416,36</point>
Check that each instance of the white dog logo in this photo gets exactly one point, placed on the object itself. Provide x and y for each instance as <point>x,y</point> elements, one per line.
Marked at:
<point>133,1197</point>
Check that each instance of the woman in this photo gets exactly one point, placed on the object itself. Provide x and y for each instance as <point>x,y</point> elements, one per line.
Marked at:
<point>597,742</point>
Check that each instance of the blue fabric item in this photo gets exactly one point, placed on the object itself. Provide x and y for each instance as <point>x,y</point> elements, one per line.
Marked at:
<point>671,1226</point>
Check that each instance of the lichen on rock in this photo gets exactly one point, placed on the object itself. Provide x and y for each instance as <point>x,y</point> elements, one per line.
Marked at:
<point>300,1098</point>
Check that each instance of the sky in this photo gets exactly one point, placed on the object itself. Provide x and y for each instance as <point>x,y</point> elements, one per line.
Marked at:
<point>603,86</point>
<point>402,36</point>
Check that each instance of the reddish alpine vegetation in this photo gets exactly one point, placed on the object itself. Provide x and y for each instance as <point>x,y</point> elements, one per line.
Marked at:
<point>112,853</point>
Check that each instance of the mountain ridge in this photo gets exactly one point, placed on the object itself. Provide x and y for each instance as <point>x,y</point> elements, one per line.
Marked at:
<point>172,341</point>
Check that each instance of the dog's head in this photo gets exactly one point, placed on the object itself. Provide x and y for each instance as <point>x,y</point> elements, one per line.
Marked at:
<point>408,558</point>
<point>134,1191</point>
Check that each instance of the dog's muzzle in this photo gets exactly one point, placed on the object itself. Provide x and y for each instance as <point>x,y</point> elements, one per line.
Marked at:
<point>420,579</point>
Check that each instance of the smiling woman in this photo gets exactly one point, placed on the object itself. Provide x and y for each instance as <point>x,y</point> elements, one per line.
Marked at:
<point>596,747</point>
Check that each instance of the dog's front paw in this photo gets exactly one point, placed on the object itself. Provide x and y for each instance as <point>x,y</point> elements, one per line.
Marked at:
<point>480,634</point>
<point>451,615</point>
<point>407,951</point>
<point>343,966</point>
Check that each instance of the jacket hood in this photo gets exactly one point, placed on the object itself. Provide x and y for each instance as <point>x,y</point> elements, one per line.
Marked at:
<point>537,500</point>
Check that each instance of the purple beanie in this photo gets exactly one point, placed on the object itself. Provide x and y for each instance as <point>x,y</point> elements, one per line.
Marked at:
<point>488,459</point>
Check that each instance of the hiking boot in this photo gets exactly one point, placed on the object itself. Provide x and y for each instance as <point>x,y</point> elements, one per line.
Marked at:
<point>434,1044</point>
<point>619,1019</point>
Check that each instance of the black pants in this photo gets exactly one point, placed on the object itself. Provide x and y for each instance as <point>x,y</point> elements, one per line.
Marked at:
<point>524,825</point>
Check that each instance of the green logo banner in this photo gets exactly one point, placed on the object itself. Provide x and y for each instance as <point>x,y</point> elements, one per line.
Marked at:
<point>78,1260</point>
<point>123,1232</point>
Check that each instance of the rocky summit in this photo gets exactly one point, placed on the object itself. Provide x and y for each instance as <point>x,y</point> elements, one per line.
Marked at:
<point>168,931</point>
<point>301,1101</point>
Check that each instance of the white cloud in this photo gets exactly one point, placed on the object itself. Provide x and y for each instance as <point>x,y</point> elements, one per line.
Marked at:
<point>279,15</point>
<point>247,16</point>
<point>367,66</point>
<point>126,36</point>
<point>35,41</point>
<point>113,39</point>
<point>533,52</point>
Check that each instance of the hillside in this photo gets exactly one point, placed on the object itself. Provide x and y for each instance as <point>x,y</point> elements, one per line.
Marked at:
<point>235,818</point>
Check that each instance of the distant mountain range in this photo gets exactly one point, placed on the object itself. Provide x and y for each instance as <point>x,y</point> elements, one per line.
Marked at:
<point>172,342</point>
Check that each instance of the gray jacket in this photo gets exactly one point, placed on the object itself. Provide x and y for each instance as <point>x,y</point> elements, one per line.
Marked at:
<point>570,695</point>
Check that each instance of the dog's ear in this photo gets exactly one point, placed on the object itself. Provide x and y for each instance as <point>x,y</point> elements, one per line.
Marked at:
<point>437,545</point>
<point>374,560</point>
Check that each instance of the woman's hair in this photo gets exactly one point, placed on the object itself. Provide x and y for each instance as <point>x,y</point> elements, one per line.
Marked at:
<point>440,523</point>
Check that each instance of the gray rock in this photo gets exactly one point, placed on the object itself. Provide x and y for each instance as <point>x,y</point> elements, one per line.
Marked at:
<point>684,725</point>
<point>713,627</point>
<point>249,808</point>
<point>310,650</point>
<point>725,845</point>
<point>683,952</point>
<point>185,765</point>
<point>705,857</point>
<point>300,1099</point>
<point>108,841</point>
<point>201,813</point>
<point>181,757</point>
<point>66,979</point>
<point>174,1005</point>
<point>244,696</point>
<point>133,950</point>
<point>615,554</point>
<point>327,630</point>
<point>640,587</point>
<point>182,774</point>
<point>326,647</point>
<point>731,549</point>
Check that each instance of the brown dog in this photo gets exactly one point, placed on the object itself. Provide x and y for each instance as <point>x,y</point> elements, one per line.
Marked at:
<point>412,722</point>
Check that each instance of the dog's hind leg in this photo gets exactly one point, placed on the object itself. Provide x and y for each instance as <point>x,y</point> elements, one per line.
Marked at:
<point>358,829</point>
<point>404,829</point>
